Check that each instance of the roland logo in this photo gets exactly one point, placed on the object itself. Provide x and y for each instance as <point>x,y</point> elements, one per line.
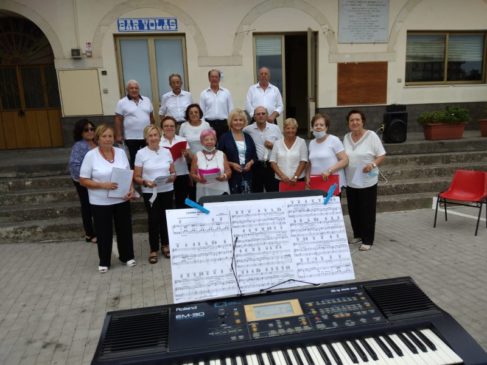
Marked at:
<point>185,309</point>
<point>193,315</point>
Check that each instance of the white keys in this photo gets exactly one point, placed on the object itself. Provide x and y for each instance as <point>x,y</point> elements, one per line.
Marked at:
<point>383,358</point>
<point>329,354</point>
<point>342,353</point>
<point>315,355</point>
<point>290,354</point>
<point>265,358</point>
<point>228,361</point>
<point>408,355</point>
<point>278,358</point>
<point>302,356</point>
<point>444,351</point>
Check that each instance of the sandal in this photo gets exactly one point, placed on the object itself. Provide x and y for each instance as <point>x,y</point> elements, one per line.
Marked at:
<point>153,258</point>
<point>165,251</point>
<point>91,239</point>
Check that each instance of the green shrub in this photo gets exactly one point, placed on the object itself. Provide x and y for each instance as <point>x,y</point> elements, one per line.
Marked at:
<point>451,115</point>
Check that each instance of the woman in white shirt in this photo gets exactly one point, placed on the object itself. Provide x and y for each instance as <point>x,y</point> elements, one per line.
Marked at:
<point>191,130</point>
<point>170,140</point>
<point>365,152</point>
<point>95,175</point>
<point>289,155</point>
<point>326,152</point>
<point>210,168</point>
<point>154,171</point>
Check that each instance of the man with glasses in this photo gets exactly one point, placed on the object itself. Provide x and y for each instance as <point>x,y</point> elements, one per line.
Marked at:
<point>132,114</point>
<point>264,134</point>
<point>264,94</point>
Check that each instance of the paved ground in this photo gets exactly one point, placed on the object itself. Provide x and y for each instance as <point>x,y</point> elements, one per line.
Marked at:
<point>53,300</point>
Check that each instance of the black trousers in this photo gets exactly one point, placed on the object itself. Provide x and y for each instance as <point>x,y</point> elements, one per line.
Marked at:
<point>263,178</point>
<point>219,125</point>
<point>157,218</point>
<point>362,205</point>
<point>133,146</point>
<point>105,216</point>
<point>86,214</point>
<point>181,190</point>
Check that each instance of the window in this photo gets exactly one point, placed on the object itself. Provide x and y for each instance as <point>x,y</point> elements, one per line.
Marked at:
<point>445,57</point>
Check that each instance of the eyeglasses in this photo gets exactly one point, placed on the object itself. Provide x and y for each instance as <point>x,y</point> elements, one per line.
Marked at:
<point>89,129</point>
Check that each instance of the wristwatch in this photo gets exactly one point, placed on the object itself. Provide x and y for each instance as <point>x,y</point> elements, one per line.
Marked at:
<point>295,177</point>
<point>374,165</point>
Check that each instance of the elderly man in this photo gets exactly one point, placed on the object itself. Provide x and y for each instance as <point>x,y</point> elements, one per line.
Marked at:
<point>264,94</point>
<point>132,114</point>
<point>216,103</point>
<point>264,134</point>
<point>175,102</point>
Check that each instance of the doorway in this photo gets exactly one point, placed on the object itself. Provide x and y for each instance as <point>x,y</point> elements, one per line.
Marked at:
<point>30,109</point>
<point>291,58</point>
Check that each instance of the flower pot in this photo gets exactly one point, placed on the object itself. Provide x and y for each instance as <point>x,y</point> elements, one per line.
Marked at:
<point>483,127</point>
<point>439,131</point>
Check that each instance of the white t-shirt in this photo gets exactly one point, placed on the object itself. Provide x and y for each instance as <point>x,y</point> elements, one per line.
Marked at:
<point>180,165</point>
<point>175,105</point>
<point>135,116</point>
<point>288,159</point>
<point>361,153</point>
<point>154,164</point>
<point>322,156</point>
<point>216,105</point>
<point>270,98</point>
<point>96,168</point>
<point>192,134</point>
<point>271,133</point>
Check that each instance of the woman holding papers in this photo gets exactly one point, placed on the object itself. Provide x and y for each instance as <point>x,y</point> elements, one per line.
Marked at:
<point>106,174</point>
<point>326,153</point>
<point>154,171</point>
<point>210,168</point>
<point>240,150</point>
<point>365,152</point>
<point>289,155</point>
<point>179,148</point>
<point>84,135</point>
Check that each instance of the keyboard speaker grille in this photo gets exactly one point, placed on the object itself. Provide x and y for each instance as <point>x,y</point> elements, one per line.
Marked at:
<point>400,300</point>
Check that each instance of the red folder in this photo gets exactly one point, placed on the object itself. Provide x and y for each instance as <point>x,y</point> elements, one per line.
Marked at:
<point>177,149</point>
<point>316,183</point>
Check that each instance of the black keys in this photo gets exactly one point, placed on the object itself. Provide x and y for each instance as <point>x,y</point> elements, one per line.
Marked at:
<point>323,355</point>
<point>408,343</point>
<point>359,351</point>
<point>393,345</point>
<point>416,341</point>
<point>425,339</point>
<point>349,352</point>
<point>334,354</point>
<point>383,346</point>
<point>369,349</point>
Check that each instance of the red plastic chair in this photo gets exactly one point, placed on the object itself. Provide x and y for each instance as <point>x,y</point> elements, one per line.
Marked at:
<point>468,188</point>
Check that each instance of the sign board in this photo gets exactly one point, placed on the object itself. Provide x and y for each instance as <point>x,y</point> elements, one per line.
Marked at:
<point>363,21</point>
<point>147,24</point>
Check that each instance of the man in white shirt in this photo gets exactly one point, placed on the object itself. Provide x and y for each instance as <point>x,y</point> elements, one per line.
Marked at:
<point>216,103</point>
<point>264,134</point>
<point>175,102</point>
<point>264,94</point>
<point>132,114</point>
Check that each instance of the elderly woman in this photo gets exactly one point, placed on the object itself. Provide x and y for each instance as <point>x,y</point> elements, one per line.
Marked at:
<point>84,135</point>
<point>95,175</point>
<point>289,155</point>
<point>240,150</point>
<point>192,128</point>
<point>210,168</point>
<point>154,171</point>
<point>171,141</point>
<point>365,153</point>
<point>326,152</point>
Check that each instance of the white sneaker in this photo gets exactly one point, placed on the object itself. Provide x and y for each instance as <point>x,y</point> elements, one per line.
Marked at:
<point>365,247</point>
<point>354,241</point>
<point>131,263</point>
<point>102,269</point>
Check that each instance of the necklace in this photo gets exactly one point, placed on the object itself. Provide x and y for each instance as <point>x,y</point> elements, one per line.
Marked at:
<point>213,154</point>
<point>105,157</point>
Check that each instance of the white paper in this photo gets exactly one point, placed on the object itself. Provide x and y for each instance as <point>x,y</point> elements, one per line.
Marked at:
<point>286,242</point>
<point>123,177</point>
<point>211,178</point>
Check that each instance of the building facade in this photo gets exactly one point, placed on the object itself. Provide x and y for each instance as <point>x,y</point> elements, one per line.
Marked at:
<point>324,55</point>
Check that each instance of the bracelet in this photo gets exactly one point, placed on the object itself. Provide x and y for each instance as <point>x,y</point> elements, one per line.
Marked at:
<point>330,171</point>
<point>374,165</point>
<point>295,177</point>
<point>224,176</point>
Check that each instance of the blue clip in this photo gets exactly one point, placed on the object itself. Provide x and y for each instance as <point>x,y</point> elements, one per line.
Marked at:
<point>195,205</point>
<point>330,193</point>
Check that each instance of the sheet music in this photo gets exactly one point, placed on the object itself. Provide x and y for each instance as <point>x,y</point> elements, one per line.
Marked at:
<point>123,177</point>
<point>293,240</point>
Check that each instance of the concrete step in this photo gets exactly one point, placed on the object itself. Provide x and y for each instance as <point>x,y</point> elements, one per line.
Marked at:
<point>53,210</point>
<point>34,170</point>
<point>392,172</point>
<point>39,196</point>
<point>413,186</point>
<point>447,146</point>
<point>33,183</point>
<point>435,159</point>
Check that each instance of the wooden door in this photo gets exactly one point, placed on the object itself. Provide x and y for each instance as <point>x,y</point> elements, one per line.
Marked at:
<point>30,113</point>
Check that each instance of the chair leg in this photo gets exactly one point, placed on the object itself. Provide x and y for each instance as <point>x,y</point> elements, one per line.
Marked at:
<point>446,217</point>
<point>436,210</point>
<point>478,219</point>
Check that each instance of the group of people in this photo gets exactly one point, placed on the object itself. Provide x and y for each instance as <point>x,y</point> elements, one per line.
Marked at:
<point>211,149</point>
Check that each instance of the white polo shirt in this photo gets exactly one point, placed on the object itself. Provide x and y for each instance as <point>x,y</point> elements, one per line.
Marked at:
<point>288,159</point>
<point>216,105</point>
<point>175,105</point>
<point>136,116</point>
<point>154,164</point>
<point>271,133</point>
<point>270,98</point>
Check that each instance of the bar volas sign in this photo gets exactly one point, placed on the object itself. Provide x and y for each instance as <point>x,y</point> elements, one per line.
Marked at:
<point>147,24</point>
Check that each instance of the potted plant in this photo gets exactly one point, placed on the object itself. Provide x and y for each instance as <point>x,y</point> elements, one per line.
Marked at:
<point>444,124</point>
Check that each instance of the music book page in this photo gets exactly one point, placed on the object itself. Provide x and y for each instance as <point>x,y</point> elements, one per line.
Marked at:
<point>123,177</point>
<point>279,243</point>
